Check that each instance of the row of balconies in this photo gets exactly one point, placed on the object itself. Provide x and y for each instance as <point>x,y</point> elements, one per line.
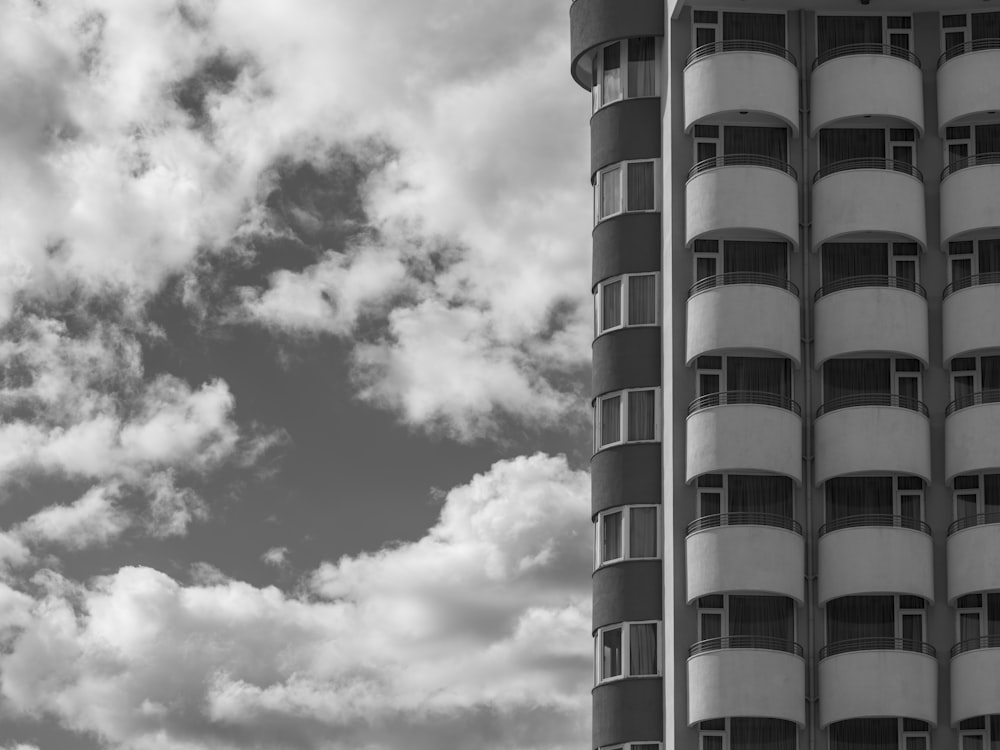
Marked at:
<point>849,85</point>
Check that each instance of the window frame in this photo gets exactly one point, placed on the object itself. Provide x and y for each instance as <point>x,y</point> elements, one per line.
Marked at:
<point>626,631</point>
<point>979,611</point>
<point>623,417</point>
<point>597,73</point>
<point>622,168</point>
<point>623,308</point>
<point>625,535</point>
<point>886,30</point>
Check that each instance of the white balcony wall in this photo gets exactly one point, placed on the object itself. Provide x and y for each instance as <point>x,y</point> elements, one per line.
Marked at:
<point>974,561</point>
<point>970,440</point>
<point>975,684</point>
<point>746,682</point>
<point>853,86</point>
<point>868,201</point>
<point>968,202</point>
<point>744,438</point>
<point>863,684</point>
<point>875,560</point>
<point>971,321</point>
<point>968,85</point>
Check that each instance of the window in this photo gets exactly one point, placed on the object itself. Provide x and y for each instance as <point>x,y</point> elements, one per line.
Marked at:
<point>880,734</point>
<point>837,32</point>
<point>974,380</point>
<point>627,533</point>
<point>624,70</point>
<point>973,262</point>
<point>867,147</point>
<point>872,382</point>
<point>747,733</point>
<point>753,621</point>
<point>630,649</point>
<point>959,28</point>
<point>743,375</point>
<point>754,494</point>
<point>968,145</point>
<point>738,257</point>
<point>626,187</point>
<point>763,28</point>
<point>636,746</point>
<point>979,732</point>
<point>625,301</point>
<point>854,622</point>
<point>629,416</point>
<point>874,501</point>
<point>755,143</point>
<point>976,495</point>
<point>851,264</point>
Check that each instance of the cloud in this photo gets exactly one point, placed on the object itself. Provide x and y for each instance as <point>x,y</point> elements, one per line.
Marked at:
<point>478,634</point>
<point>93,519</point>
<point>276,556</point>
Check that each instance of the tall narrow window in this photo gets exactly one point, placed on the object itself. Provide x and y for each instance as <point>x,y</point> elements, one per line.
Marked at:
<point>611,305</point>
<point>642,649</point>
<point>642,67</point>
<point>611,424</point>
<point>611,84</point>
<point>611,537</point>
<point>642,415</point>
<point>641,186</point>
<point>642,300</point>
<point>626,416</point>
<point>611,653</point>
<point>610,193</point>
<point>643,523</point>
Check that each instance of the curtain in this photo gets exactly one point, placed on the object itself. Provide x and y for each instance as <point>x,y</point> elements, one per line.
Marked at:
<point>640,186</point>
<point>990,375</point>
<point>766,616</point>
<point>611,653</point>
<point>752,733</point>
<point>611,305</point>
<point>994,732</point>
<point>993,614</point>
<point>756,257</point>
<point>838,31</point>
<point>856,496</point>
<point>772,142</point>
<point>641,66</point>
<point>991,493</point>
<point>989,256</point>
<point>987,139</point>
<point>753,493</point>
<point>764,374</point>
<point>845,260</point>
<point>642,415</point>
<point>642,649</point>
<point>756,27</point>
<point>611,428</point>
<point>851,617</point>
<point>642,532</point>
<point>850,377</point>
<point>611,548</point>
<point>986,25</point>
<point>839,144</point>
<point>611,192</point>
<point>864,734</point>
<point>612,83</point>
<point>642,299</point>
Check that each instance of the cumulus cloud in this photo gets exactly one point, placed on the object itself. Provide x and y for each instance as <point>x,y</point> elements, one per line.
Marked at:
<point>93,519</point>
<point>478,634</point>
<point>276,556</point>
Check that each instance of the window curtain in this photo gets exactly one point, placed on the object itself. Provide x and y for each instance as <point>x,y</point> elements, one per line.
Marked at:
<point>765,616</point>
<point>850,377</point>
<point>987,139</point>
<point>642,415</point>
<point>752,733</point>
<point>995,732</point>
<point>989,256</point>
<point>750,493</point>
<point>641,299</point>
<point>847,260</point>
<point>756,257</point>
<point>772,142</point>
<point>611,192</point>
<point>611,305</point>
<point>839,31</point>
<point>986,25</point>
<point>993,614</point>
<point>612,533</point>
<point>756,27</point>
<point>641,66</point>
<point>991,493</point>
<point>642,532</point>
<point>764,374</point>
<point>856,496</point>
<point>851,617</point>
<point>990,373</point>
<point>642,648</point>
<point>611,428</point>
<point>640,186</point>
<point>865,734</point>
<point>840,144</point>
<point>612,82</point>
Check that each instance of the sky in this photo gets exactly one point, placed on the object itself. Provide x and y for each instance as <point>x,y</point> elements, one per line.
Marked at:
<point>294,365</point>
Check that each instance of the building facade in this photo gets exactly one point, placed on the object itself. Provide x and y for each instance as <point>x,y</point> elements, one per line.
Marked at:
<point>796,372</point>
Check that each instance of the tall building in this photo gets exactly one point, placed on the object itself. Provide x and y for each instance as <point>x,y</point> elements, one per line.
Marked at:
<point>796,372</point>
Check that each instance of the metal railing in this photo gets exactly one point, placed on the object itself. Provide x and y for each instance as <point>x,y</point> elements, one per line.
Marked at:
<point>742,160</point>
<point>874,519</point>
<point>868,162</point>
<point>858,282</point>
<point>983,641</point>
<point>727,398</point>
<point>976,160</point>
<point>980,519</point>
<point>742,277</point>
<point>866,49</point>
<point>744,519</point>
<point>873,399</point>
<point>876,644</point>
<point>746,641</point>
<point>976,45</point>
<point>991,396</point>
<point>978,279</point>
<point>739,45</point>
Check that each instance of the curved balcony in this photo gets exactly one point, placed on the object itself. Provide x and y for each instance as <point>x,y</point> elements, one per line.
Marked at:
<point>720,425</point>
<point>975,678</point>
<point>875,554</point>
<point>864,80</point>
<point>868,196</point>
<point>746,676</point>
<point>745,553</point>
<point>976,298</point>
<point>625,709</point>
<point>743,311</point>
<point>872,433</point>
<point>974,555</point>
<point>872,677</point>
<point>750,80</point>
<point>970,434</point>
<point>968,197</point>
<point>742,196</point>
<point>967,83</point>
<point>871,314</point>
<point>594,22</point>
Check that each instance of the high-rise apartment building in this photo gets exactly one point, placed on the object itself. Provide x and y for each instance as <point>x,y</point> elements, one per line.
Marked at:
<point>796,380</point>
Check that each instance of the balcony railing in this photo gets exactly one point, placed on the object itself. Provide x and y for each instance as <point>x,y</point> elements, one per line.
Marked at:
<point>727,398</point>
<point>980,519</point>
<point>876,644</point>
<point>857,282</point>
<point>984,641</point>
<point>975,45</point>
<point>744,519</point>
<point>866,49</point>
<point>740,45</point>
<point>874,519</point>
<point>742,277</point>
<point>976,160</point>
<point>742,160</point>
<point>873,399</point>
<point>978,279</point>
<point>991,396</point>
<point>746,641</point>
<point>871,162</point>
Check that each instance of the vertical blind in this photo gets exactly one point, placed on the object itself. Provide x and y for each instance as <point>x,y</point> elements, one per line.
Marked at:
<point>845,260</point>
<point>641,67</point>
<point>839,31</point>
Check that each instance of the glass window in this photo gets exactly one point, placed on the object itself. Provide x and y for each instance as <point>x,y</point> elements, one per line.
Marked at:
<point>611,537</point>
<point>643,532</point>
<point>611,653</point>
<point>611,428</point>
<point>642,300</point>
